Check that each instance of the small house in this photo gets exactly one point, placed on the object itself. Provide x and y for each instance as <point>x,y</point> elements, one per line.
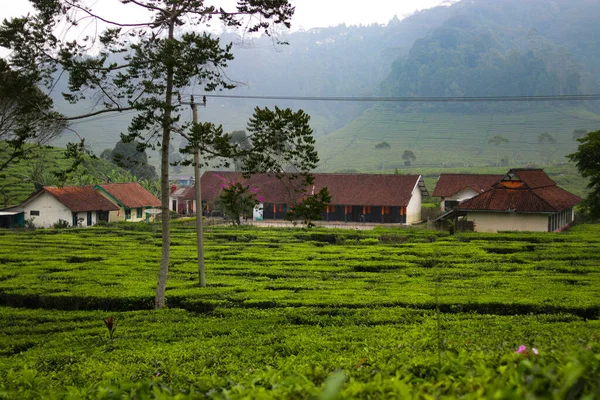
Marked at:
<point>131,199</point>
<point>181,200</point>
<point>522,200</point>
<point>77,205</point>
<point>454,188</point>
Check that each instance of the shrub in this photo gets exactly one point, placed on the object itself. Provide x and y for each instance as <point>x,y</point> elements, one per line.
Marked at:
<point>61,224</point>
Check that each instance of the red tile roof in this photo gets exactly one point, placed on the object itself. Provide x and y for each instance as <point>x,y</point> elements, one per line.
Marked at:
<point>533,178</point>
<point>345,189</point>
<point>528,191</point>
<point>80,198</point>
<point>450,184</point>
<point>131,195</point>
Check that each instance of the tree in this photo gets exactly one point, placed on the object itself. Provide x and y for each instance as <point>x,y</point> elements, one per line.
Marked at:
<point>579,133</point>
<point>132,157</point>
<point>175,159</point>
<point>497,141</point>
<point>240,140</point>
<point>157,66</point>
<point>382,146</point>
<point>238,200</point>
<point>27,120</point>
<point>408,157</point>
<point>545,139</point>
<point>310,208</point>
<point>587,160</point>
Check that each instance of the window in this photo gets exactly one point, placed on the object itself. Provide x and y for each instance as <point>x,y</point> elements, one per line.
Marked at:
<point>127,213</point>
<point>450,204</point>
<point>34,212</point>
<point>139,212</point>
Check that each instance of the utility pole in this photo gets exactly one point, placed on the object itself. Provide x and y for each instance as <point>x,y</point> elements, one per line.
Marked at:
<point>198,190</point>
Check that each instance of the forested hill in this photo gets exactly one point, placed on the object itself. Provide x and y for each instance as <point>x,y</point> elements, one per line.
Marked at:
<point>468,48</point>
<point>504,47</point>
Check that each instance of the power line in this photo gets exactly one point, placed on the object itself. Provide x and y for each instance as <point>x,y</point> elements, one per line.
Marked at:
<point>578,97</point>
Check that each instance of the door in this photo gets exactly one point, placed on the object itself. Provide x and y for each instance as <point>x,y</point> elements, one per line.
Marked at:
<point>102,216</point>
<point>89,218</point>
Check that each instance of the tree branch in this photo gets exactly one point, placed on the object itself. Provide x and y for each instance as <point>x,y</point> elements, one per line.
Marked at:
<point>120,109</point>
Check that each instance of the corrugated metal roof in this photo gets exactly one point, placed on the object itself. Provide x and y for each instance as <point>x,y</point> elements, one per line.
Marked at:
<point>131,195</point>
<point>450,184</point>
<point>80,198</point>
<point>345,189</point>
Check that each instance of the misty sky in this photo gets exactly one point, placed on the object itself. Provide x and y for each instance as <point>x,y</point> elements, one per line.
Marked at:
<point>309,13</point>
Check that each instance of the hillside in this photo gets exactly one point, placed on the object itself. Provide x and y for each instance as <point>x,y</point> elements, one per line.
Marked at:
<point>19,179</point>
<point>451,139</point>
<point>469,48</point>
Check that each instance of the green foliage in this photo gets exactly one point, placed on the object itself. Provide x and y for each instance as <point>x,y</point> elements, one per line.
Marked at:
<point>472,53</point>
<point>238,200</point>
<point>382,145</point>
<point>282,140</point>
<point>61,224</point>
<point>579,133</point>
<point>354,316</point>
<point>310,208</point>
<point>587,160</point>
<point>132,157</point>
<point>154,67</point>
<point>27,119</point>
<point>408,157</point>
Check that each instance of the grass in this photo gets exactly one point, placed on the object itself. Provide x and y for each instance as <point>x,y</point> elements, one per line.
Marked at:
<point>457,140</point>
<point>287,308</point>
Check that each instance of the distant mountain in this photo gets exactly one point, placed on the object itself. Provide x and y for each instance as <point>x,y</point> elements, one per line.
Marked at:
<point>504,47</point>
<point>337,61</point>
<point>465,48</point>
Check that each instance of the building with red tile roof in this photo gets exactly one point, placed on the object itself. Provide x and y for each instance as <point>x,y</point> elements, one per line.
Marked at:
<point>182,200</point>
<point>523,200</point>
<point>131,199</point>
<point>77,205</point>
<point>454,188</point>
<point>354,197</point>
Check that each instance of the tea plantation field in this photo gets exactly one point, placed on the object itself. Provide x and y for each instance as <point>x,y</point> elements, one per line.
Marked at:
<point>301,314</point>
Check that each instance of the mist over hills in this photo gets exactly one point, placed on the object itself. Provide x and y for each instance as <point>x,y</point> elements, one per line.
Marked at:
<point>469,48</point>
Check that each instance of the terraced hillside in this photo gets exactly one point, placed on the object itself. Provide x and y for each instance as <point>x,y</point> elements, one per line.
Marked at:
<point>18,180</point>
<point>453,139</point>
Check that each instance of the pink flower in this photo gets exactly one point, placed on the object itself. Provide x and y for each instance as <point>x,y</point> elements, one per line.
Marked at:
<point>522,349</point>
<point>261,199</point>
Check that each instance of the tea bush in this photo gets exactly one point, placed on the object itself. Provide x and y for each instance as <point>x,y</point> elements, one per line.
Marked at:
<point>286,309</point>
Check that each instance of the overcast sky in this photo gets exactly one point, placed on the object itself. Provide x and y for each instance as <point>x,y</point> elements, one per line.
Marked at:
<point>309,13</point>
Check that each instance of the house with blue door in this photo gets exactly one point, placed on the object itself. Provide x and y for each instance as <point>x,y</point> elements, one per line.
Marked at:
<point>76,205</point>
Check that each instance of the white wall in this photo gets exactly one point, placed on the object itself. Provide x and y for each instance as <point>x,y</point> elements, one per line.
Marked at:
<point>83,215</point>
<point>413,210</point>
<point>465,194</point>
<point>51,210</point>
<point>508,221</point>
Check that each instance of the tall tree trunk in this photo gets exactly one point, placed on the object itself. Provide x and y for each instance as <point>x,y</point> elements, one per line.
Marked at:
<point>198,192</point>
<point>163,273</point>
